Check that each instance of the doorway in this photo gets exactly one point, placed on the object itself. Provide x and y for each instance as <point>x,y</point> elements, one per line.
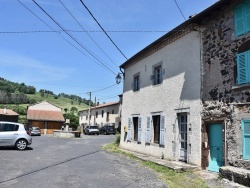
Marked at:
<point>216,147</point>
<point>182,122</point>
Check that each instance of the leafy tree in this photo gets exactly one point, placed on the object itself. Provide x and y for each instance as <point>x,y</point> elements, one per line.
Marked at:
<point>66,110</point>
<point>73,110</point>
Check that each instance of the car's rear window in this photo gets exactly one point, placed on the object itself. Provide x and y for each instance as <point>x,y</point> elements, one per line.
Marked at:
<point>93,127</point>
<point>36,128</point>
<point>8,127</point>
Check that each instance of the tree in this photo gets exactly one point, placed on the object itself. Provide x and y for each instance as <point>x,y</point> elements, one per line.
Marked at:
<point>66,110</point>
<point>73,110</point>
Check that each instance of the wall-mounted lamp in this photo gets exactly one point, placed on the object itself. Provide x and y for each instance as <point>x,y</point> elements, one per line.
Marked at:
<point>118,78</point>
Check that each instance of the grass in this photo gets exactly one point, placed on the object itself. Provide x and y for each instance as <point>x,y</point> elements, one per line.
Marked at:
<point>170,177</point>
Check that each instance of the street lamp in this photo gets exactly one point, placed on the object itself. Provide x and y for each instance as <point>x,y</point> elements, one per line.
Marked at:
<point>118,78</point>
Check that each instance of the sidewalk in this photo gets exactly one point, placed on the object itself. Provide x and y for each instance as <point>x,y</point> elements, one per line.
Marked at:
<point>211,179</point>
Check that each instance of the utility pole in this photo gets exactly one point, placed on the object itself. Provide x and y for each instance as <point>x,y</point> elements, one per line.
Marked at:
<point>89,105</point>
<point>95,112</point>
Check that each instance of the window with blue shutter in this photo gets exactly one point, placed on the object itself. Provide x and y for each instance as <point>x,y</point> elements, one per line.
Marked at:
<point>139,130</point>
<point>162,131</point>
<point>129,136</point>
<point>243,67</point>
<point>242,18</point>
<point>148,136</point>
<point>246,139</point>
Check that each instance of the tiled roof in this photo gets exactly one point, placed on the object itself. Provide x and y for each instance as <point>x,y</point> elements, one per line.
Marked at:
<point>44,105</point>
<point>8,112</point>
<point>102,105</point>
<point>45,115</point>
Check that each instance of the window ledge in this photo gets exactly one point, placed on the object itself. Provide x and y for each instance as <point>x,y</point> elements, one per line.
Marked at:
<point>241,87</point>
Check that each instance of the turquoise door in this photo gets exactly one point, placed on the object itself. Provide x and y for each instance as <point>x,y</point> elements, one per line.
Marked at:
<point>216,147</point>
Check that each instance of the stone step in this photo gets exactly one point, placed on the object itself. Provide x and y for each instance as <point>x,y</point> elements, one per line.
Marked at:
<point>237,175</point>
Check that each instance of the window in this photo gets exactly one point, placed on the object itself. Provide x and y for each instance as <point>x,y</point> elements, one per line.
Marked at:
<point>156,125</point>
<point>9,127</point>
<point>113,111</point>
<point>107,119</point>
<point>157,75</point>
<point>96,114</point>
<point>246,139</point>
<point>102,113</point>
<point>241,18</point>
<point>243,67</point>
<point>135,123</point>
<point>136,84</point>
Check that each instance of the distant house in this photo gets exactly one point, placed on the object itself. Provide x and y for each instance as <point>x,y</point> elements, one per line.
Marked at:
<point>8,115</point>
<point>101,115</point>
<point>46,116</point>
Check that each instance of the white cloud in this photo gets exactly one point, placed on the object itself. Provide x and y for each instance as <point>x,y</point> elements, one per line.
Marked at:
<point>23,69</point>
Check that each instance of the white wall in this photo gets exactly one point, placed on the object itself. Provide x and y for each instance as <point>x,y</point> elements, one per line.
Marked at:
<point>100,120</point>
<point>180,89</point>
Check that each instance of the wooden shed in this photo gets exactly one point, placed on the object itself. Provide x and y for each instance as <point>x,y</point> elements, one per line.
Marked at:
<point>8,115</point>
<point>46,116</point>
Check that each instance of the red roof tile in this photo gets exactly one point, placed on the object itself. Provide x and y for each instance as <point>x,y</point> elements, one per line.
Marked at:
<point>45,115</point>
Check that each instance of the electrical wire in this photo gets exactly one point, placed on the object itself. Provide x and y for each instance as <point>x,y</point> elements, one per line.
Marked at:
<point>103,29</point>
<point>180,9</point>
<point>79,43</point>
<point>59,34</point>
<point>87,32</point>
<point>80,31</point>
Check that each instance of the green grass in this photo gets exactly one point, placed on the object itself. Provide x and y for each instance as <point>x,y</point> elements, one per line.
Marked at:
<point>170,177</point>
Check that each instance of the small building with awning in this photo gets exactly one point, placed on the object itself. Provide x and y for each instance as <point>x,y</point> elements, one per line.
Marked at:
<point>8,115</point>
<point>46,116</point>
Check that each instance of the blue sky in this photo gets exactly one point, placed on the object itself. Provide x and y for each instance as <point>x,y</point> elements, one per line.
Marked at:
<point>46,60</point>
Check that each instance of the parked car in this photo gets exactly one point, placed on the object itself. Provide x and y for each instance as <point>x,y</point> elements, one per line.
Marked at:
<point>35,131</point>
<point>14,135</point>
<point>107,129</point>
<point>91,130</point>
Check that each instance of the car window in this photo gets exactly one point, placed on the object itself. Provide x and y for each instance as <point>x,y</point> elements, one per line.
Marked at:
<point>93,127</point>
<point>1,128</point>
<point>36,128</point>
<point>10,127</point>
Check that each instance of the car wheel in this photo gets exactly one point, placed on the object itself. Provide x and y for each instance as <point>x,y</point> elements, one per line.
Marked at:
<point>21,144</point>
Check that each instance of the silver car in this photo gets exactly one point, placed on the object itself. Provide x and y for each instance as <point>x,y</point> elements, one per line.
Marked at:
<point>14,135</point>
<point>35,131</point>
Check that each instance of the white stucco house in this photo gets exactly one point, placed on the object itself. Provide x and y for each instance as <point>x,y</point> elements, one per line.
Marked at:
<point>161,98</point>
<point>101,115</point>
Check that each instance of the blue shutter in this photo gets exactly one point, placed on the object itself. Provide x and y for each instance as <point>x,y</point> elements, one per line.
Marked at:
<point>129,129</point>
<point>242,68</point>
<point>148,131</point>
<point>246,139</point>
<point>247,16</point>
<point>162,131</point>
<point>239,20</point>
<point>139,129</point>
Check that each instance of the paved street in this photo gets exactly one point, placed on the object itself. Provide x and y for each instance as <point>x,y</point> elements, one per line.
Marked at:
<point>60,162</point>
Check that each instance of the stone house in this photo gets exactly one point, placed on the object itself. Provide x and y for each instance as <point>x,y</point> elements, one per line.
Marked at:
<point>100,115</point>
<point>46,116</point>
<point>186,96</point>
<point>226,86</point>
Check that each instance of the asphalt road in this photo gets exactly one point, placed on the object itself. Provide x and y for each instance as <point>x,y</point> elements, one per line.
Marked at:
<point>64,162</point>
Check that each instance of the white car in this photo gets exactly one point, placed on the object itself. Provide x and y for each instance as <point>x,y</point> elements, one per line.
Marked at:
<point>14,135</point>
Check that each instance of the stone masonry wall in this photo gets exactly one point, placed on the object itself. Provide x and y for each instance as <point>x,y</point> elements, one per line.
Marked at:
<point>221,96</point>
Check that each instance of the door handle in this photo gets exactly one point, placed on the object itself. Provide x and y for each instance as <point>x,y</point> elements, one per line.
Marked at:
<point>15,134</point>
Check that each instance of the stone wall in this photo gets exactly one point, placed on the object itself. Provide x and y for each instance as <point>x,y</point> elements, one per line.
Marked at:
<point>222,97</point>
